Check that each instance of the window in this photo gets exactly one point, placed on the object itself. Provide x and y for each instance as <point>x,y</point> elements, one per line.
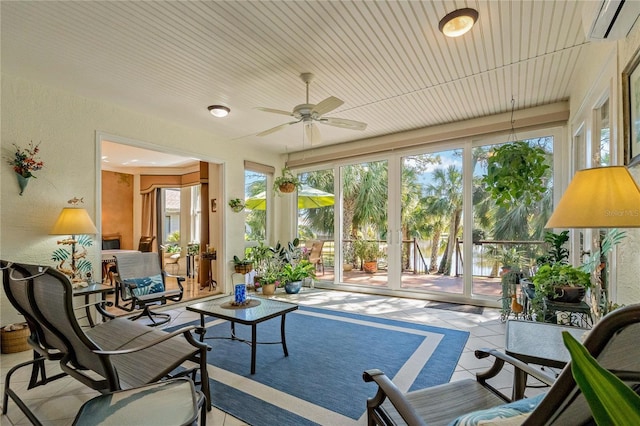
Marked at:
<point>256,193</point>
<point>171,215</point>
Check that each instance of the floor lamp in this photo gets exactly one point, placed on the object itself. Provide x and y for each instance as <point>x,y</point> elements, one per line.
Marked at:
<point>602,197</point>
<point>72,221</point>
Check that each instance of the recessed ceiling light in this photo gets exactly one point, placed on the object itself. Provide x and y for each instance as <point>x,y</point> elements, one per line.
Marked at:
<point>458,22</point>
<point>219,111</point>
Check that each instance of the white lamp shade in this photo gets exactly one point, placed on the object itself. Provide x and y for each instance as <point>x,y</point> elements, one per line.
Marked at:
<point>73,221</point>
<point>603,197</point>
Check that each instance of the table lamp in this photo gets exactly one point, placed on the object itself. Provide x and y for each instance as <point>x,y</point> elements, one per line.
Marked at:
<point>602,197</point>
<point>72,221</point>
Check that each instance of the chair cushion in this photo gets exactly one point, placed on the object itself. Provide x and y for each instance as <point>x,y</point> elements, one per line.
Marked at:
<point>502,414</point>
<point>146,285</point>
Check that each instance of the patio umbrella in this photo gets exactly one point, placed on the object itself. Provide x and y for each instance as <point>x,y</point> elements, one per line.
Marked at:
<point>308,198</point>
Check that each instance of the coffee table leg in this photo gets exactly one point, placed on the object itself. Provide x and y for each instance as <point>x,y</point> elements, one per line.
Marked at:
<point>254,345</point>
<point>282,338</point>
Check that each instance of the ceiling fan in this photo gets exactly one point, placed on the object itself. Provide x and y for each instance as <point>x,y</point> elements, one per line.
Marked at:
<point>308,114</point>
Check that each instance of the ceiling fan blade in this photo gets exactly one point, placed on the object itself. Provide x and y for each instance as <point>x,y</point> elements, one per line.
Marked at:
<point>344,123</point>
<point>275,111</point>
<point>312,133</point>
<point>275,129</point>
<point>327,105</point>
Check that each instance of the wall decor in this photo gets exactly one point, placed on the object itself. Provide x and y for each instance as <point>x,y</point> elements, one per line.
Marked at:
<point>24,162</point>
<point>631,101</point>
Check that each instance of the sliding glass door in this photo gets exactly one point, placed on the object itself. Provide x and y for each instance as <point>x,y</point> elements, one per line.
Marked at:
<point>431,214</point>
<point>423,220</point>
<point>364,223</point>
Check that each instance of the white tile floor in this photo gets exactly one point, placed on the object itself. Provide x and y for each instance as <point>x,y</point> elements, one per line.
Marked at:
<point>58,402</point>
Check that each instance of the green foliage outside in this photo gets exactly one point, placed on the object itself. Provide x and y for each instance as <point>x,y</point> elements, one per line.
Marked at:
<point>432,203</point>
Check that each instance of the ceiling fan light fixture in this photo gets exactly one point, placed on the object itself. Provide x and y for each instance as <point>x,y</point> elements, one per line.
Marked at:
<point>458,22</point>
<point>219,110</point>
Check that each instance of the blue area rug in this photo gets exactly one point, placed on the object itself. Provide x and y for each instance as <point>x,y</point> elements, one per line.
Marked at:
<point>320,382</point>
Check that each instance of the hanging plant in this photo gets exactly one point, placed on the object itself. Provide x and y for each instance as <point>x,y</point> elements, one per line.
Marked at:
<point>236,204</point>
<point>286,183</point>
<point>516,174</point>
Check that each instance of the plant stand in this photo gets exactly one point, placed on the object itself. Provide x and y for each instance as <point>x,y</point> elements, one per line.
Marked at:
<point>572,314</point>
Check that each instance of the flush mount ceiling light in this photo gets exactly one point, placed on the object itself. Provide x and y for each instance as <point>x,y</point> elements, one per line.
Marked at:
<point>219,111</point>
<point>458,22</point>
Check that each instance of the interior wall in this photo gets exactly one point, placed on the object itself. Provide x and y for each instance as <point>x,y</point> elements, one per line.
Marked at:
<point>66,126</point>
<point>117,207</point>
<point>601,67</point>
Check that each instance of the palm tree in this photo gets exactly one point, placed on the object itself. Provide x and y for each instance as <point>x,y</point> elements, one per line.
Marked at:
<point>446,188</point>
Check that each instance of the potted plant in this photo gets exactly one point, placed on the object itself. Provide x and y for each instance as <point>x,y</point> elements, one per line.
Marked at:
<point>259,255</point>
<point>242,266</point>
<point>516,173</point>
<point>511,260</point>
<point>293,275</point>
<point>561,282</point>
<point>557,253</point>
<point>236,204</point>
<point>287,182</point>
<point>368,251</point>
<point>271,275</point>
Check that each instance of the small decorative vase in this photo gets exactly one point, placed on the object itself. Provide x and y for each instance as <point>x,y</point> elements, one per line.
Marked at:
<point>293,287</point>
<point>22,182</point>
<point>268,289</point>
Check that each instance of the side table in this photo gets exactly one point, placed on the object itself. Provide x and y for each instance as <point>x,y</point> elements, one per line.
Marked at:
<point>537,343</point>
<point>211,257</point>
<point>98,289</point>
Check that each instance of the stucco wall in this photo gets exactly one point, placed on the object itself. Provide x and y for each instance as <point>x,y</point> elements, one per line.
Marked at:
<point>66,126</point>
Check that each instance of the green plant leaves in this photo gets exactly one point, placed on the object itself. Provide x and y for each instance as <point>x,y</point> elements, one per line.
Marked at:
<point>516,173</point>
<point>611,401</point>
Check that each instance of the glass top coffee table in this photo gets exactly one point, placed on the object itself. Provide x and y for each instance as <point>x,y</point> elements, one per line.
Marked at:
<point>537,343</point>
<point>258,310</point>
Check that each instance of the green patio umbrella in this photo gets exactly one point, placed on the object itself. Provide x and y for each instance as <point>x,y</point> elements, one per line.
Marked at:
<point>308,198</point>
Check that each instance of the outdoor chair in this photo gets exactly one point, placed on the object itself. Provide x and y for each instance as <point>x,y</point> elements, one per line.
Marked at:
<point>145,244</point>
<point>43,342</point>
<point>110,242</point>
<point>613,342</point>
<point>114,355</point>
<point>315,255</point>
<point>173,402</point>
<point>140,284</point>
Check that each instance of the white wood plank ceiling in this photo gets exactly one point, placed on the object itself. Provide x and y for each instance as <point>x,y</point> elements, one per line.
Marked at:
<point>385,59</point>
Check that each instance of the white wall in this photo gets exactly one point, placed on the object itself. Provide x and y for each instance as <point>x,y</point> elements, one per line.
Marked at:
<point>601,66</point>
<point>66,127</point>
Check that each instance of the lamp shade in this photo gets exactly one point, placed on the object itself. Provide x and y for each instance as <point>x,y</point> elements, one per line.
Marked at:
<point>73,221</point>
<point>603,197</point>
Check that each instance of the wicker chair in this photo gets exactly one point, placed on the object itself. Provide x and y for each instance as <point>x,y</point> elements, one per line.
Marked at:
<point>140,284</point>
<point>114,355</point>
<point>613,342</point>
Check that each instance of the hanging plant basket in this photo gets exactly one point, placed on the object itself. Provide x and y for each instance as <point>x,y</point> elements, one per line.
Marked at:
<point>237,209</point>
<point>287,187</point>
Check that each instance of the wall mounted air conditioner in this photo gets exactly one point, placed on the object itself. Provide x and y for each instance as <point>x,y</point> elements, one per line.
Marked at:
<point>606,20</point>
